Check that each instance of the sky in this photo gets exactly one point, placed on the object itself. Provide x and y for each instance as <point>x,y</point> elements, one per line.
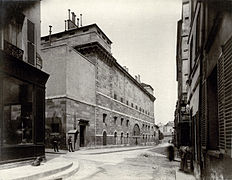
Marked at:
<point>143,33</point>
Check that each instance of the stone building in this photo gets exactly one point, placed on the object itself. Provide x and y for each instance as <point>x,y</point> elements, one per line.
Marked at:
<point>22,83</point>
<point>209,87</point>
<point>182,121</point>
<point>90,94</point>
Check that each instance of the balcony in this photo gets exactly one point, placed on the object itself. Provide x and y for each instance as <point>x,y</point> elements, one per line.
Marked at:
<point>13,50</point>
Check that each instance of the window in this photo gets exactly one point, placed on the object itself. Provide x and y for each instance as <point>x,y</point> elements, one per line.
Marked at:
<point>115,119</point>
<point>115,96</point>
<point>31,42</point>
<point>191,56</point>
<point>104,118</point>
<point>132,105</point>
<point>136,107</point>
<point>127,123</point>
<point>122,121</point>
<point>17,112</point>
<point>121,99</point>
<point>127,102</point>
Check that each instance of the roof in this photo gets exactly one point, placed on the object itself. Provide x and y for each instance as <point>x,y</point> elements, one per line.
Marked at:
<point>78,29</point>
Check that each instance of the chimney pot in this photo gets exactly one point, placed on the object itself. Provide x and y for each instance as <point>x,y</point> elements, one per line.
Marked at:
<point>80,20</point>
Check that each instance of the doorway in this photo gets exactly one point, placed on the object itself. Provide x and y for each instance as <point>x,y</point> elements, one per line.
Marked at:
<point>82,135</point>
<point>104,138</point>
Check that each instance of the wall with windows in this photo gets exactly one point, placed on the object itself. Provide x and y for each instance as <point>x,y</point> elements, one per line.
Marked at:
<point>120,104</point>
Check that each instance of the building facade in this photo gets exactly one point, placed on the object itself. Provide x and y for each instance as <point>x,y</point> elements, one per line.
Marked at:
<point>182,120</point>
<point>22,83</point>
<point>209,87</point>
<point>92,95</point>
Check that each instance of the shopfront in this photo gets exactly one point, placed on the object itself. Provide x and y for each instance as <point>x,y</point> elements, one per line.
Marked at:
<point>22,109</point>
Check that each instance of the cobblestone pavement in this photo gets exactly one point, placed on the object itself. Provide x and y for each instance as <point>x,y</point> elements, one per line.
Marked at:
<point>139,164</point>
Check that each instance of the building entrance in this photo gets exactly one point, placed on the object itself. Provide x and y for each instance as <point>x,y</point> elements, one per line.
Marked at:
<point>82,135</point>
<point>104,138</point>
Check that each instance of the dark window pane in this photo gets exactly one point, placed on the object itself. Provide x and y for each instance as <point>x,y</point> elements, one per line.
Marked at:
<point>17,112</point>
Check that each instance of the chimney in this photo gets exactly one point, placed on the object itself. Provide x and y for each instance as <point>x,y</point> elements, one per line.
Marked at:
<point>80,20</point>
<point>68,14</point>
<point>50,33</point>
<point>65,26</point>
<point>126,68</point>
<point>77,22</point>
<point>139,78</point>
<point>73,18</point>
<point>136,78</point>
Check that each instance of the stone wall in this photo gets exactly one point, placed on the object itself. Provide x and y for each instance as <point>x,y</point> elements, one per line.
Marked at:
<point>68,113</point>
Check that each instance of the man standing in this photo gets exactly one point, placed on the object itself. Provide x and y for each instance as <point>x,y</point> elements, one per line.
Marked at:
<point>70,148</point>
<point>55,144</point>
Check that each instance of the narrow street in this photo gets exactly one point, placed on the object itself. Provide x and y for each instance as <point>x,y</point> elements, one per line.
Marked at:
<point>125,163</point>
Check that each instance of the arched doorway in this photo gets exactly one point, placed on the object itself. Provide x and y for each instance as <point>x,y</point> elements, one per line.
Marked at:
<point>136,133</point>
<point>115,138</point>
<point>104,138</point>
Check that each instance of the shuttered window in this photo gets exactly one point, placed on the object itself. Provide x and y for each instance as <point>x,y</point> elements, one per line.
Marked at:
<point>203,118</point>
<point>31,42</point>
<point>225,98</point>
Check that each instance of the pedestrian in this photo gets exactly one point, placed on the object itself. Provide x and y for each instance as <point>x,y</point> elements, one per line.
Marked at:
<point>171,153</point>
<point>70,148</point>
<point>55,144</point>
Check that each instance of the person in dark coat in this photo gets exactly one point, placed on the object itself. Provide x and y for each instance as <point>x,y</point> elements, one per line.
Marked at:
<point>171,152</point>
<point>55,144</point>
<point>70,148</point>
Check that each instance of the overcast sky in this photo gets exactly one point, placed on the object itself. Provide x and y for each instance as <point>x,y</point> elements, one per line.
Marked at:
<point>143,33</point>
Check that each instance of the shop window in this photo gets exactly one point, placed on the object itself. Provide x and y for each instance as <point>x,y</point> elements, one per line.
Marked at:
<point>17,112</point>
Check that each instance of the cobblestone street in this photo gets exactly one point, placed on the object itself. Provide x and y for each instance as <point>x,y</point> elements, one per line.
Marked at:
<point>125,163</point>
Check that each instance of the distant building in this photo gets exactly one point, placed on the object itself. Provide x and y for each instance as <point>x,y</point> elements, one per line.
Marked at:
<point>22,83</point>
<point>92,96</point>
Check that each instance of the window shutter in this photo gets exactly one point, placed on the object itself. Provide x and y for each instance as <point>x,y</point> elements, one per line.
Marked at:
<point>221,102</point>
<point>31,42</point>
<point>203,118</point>
<point>225,97</point>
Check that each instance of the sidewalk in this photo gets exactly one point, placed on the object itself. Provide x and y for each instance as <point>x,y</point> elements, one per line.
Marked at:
<point>180,175</point>
<point>59,167</point>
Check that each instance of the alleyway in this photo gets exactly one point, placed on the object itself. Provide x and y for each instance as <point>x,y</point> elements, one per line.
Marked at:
<point>114,164</point>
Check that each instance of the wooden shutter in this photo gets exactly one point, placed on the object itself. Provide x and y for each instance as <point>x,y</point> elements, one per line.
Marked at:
<point>225,97</point>
<point>221,102</point>
<point>31,42</point>
<point>203,117</point>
